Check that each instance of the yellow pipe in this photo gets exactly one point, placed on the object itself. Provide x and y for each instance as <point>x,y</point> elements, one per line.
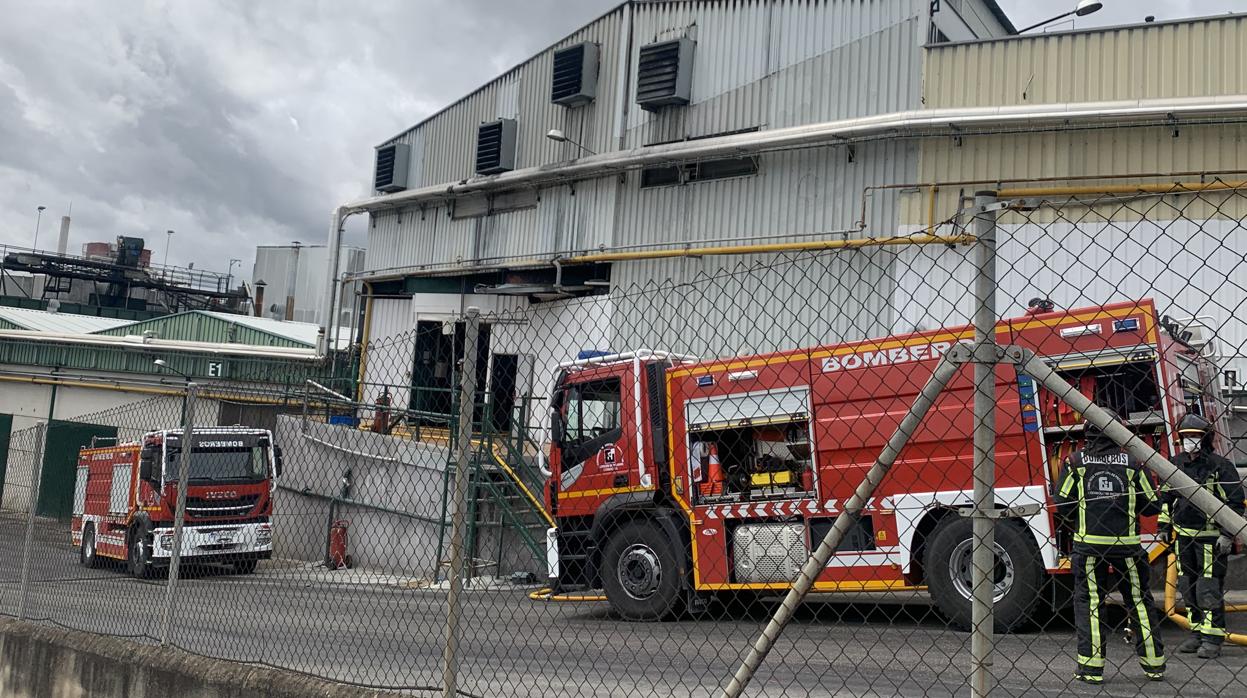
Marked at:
<point>1175,612</point>
<point>931,208</point>
<point>363,346</point>
<point>233,397</point>
<point>852,244</point>
<point>1098,189</point>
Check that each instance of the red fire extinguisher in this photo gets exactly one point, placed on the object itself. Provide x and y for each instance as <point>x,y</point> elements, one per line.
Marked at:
<point>338,557</point>
<point>381,415</point>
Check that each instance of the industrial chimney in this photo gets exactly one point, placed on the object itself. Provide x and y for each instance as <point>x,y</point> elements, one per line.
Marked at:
<point>258,305</point>
<point>62,243</point>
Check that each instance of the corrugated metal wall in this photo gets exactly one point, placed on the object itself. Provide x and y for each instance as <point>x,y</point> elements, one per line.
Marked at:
<point>756,303</point>
<point>391,350</point>
<point>1176,59</point>
<point>758,63</point>
<point>272,266</point>
<point>1014,159</point>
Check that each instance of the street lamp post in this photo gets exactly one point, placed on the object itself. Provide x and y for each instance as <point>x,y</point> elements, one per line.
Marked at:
<point>38,219</point>
<point>558,136</point>
<point>1082,9</point>
<point>168,239</point>
<point>229,275</point>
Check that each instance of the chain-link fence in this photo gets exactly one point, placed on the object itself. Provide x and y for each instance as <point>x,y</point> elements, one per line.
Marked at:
<point>788,472</point>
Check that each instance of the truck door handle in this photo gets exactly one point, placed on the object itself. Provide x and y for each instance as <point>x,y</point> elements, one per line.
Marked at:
<point>620,481</point>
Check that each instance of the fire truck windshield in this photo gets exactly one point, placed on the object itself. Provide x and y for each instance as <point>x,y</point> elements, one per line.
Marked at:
<point>222,464</point>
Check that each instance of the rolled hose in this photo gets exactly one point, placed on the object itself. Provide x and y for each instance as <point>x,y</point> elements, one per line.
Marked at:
<point>1177,613</point>
<point>547,594</point>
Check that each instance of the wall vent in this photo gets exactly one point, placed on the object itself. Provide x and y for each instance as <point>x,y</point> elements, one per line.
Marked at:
<point>575,79</point>
<point>390,173</point>
<point>495,147</point>
<point>665,74</point>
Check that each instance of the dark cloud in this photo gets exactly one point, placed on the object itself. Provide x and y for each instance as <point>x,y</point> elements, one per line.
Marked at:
<point>239,123</point>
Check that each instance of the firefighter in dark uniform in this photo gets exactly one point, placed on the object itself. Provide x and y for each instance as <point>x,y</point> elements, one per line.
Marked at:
<point>1101,493</point>
<point>1200,546</point>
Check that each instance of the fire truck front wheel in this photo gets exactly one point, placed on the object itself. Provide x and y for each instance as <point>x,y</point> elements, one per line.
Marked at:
<point>640,574</point>
<point>86,554</point>
<point>1017,578</point>
<point>139,558</point>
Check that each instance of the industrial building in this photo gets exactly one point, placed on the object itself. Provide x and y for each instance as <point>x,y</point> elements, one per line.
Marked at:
<point>669,125</point>
<point>289,282</point>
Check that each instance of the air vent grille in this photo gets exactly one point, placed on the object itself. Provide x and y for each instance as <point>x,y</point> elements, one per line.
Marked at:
<point>664,74</point>
<point>390,173</point>
<point>575,77</point>
<point>495,147</point>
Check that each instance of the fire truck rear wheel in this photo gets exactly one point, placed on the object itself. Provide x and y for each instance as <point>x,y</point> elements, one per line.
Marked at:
<point>1018,576</point>
<point>87,553</point>
<point>640,574</point>
<point>139,556</point>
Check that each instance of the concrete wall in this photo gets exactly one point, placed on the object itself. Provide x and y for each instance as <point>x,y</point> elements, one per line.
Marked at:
<point>401,475</point>
<point>40,662</point>
<point>396,502</point>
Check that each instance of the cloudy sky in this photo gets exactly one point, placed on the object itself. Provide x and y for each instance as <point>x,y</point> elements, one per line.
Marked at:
<point>237,123</point>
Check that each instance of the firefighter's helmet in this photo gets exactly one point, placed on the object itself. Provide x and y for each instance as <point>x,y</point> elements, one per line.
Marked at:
<point>1195,426</point>
<point>1094,432</point>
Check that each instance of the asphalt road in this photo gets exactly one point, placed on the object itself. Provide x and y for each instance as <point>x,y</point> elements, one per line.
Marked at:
<point>388,635</point>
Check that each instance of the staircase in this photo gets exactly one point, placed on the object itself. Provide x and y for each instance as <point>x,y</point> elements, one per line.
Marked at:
<point>507,520</point>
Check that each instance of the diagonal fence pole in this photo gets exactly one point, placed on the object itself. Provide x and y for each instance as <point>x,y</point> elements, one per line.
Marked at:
<point>984,560</point>
<point>463,452</point>
<point>36,474</point>
<point>179,516</point>
<point>1150,458</point>
<point>944,371</point>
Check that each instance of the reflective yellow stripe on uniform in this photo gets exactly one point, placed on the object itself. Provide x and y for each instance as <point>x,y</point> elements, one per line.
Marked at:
<point>1097,648</point>
<point>1196,532</point>
<point>1091,662</point>
<point>1093,539</point>
<point>1208,560</point>
<point>1150,658</point>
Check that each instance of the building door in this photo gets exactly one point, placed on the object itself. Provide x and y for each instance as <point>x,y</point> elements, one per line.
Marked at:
<point>435,373</point>
<point>60,464</point>
<point>502,385</point>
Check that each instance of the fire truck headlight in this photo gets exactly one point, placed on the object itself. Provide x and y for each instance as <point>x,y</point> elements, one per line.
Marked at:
<point>166,541</point>
<point>264,536</point>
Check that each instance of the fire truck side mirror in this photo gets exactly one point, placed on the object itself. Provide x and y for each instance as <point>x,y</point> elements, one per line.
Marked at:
<point>147,463</point>
<point>278,460</point>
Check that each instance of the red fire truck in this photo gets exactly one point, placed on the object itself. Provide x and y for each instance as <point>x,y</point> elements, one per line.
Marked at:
<point>676,479</point>
<point>125,497</point>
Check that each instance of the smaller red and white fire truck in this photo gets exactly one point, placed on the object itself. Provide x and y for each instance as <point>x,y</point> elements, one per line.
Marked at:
<point>674,479</point>
<point>125,498</point>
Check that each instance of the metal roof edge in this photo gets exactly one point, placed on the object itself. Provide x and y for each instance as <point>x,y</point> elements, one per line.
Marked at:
<point>999,13</point>
<point>1092,30</point>
<point>172,345</point>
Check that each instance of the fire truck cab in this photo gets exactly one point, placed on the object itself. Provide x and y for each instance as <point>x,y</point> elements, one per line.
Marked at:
<point>125,499</point>
<point>675,479</point>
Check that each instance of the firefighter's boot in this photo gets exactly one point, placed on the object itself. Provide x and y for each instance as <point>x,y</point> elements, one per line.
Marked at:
<point>1191,645</point>
<point>1209,650</point>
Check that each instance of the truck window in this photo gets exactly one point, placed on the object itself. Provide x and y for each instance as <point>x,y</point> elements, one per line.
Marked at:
<point>592,410</point>
<point>222,464</point>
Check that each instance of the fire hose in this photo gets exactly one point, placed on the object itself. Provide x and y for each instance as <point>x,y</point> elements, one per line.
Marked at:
<point>1177,613</point>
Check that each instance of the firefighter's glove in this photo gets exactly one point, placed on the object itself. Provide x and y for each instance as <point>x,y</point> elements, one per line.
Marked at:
<point>1225,545</point>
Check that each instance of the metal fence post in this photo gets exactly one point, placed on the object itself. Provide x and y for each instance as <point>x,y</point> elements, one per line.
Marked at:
<point>36,474</point>
<point>944,372</point>
<point>463,452</point>
<point>984,562</point>
<point>179,517</point>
